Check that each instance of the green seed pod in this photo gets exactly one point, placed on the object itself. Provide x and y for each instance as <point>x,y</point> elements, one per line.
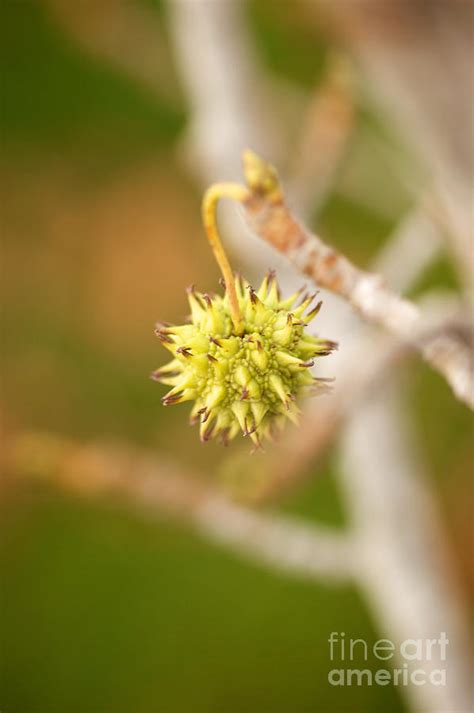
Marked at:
<point>246,380</point>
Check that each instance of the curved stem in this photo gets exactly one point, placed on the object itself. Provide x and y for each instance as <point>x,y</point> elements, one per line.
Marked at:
<point>209,204</point>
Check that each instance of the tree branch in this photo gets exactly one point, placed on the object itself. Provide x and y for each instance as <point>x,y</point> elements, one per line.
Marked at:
<point>158,487</point>
<point>269,217</point>
<point>396,528</point>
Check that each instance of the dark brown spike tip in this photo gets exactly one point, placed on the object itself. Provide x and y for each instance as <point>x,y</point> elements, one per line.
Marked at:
<point>248,431</point>
<point>204,414</point>
<point>327,347</point>
<point>302,298</point>
<point>252,295</point>
<point>170,400</point>
<point>159,374</point>
<point>207,435</point>
<point>312,313</point>
<point>184,351</point>
<point>163,336</point>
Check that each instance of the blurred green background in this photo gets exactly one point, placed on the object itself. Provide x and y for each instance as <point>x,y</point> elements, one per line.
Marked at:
<point>102,612</point>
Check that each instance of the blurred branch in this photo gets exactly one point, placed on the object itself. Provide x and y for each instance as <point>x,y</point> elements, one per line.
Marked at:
<point>156,487</point>
<point>404,567</point>
<point>326,130</point>
<point>418,57</point>
<point>268,215</point>
<point>414,245</point>
<point>227,91</point>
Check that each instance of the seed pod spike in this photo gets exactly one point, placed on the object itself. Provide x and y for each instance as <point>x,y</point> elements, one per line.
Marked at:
<point>312,313</point>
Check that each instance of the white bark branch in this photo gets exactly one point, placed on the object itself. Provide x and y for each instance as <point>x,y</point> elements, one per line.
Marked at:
<point>401,552</point>
<point>156,487</point>
<point>267,214</point>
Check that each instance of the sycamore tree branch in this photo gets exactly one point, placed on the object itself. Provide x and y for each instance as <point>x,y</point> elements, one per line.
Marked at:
<point>266,212</point>
<point>158,487</point>
<point>403,551</point>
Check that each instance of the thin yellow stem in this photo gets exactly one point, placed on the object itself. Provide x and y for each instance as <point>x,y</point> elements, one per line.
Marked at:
<point>214,193</point>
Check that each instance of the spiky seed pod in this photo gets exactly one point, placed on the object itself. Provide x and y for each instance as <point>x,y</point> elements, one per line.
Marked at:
<point>247,382</point>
